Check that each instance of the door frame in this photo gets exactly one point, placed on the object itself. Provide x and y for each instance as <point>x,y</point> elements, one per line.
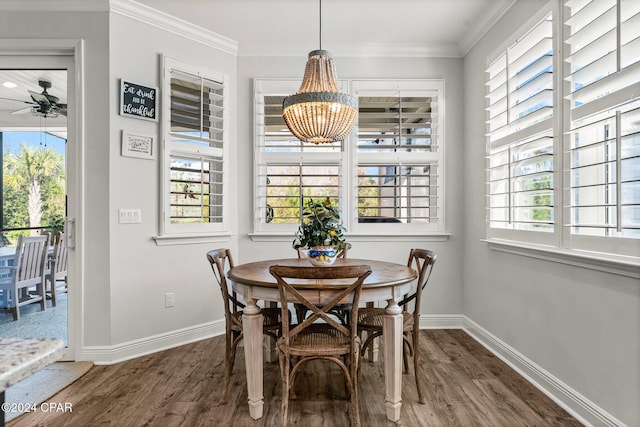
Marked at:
<point>64,54</point>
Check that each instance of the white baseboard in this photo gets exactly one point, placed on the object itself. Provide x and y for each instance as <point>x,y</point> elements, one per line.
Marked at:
<point>442,321</point>
<point>585,411</point>
<point>107,355</point>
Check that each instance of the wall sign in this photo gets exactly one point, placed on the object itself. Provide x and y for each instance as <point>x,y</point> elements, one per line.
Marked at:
<point>137,100</point>
<point>134,145</point>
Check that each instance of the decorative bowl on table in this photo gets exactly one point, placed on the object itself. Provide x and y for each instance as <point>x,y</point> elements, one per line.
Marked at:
<point>321,256</point>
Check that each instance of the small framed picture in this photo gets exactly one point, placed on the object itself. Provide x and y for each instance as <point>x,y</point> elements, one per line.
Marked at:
<point>135,145</point>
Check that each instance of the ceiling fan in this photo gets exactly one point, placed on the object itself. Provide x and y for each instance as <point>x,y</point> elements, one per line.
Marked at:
<point>43,104</point>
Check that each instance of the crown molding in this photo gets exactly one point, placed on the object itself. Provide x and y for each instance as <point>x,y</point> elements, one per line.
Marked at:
<point>359,50</point>
<point>166,22</point>
<point>131,9</point>
<point>475,34</point>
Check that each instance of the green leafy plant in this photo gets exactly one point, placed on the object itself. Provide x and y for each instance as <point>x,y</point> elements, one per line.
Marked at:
<point>321,226</point>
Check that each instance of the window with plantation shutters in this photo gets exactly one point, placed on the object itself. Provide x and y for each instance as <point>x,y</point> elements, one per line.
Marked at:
<point>563,135</point>
<point>603,139</point>
<point>288,172</point>
<point>520,144</point>
<point>195,147</point>
<point>385,177</point>
<point>398,154</point>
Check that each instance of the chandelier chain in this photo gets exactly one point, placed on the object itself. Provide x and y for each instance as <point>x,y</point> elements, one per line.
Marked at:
<point>320,26</point>
<point>319,112</point>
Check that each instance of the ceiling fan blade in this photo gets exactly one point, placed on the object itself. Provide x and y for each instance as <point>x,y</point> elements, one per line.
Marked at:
<point>22,110</point>
<point>62,109</point>
<point>19,100</point>
<point>39,98</point>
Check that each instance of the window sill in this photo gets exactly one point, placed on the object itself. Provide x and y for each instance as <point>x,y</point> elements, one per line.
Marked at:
<point>360,237</point>
<point>624,266</point>
<point>188,239</point>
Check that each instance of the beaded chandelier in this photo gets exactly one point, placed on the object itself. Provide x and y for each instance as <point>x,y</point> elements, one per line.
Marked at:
<point>319,112</point>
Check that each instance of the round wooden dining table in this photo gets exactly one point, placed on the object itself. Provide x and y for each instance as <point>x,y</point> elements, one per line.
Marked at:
<point>388,282</point>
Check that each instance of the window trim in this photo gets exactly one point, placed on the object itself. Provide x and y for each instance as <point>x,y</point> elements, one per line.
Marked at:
<point>623,266</point>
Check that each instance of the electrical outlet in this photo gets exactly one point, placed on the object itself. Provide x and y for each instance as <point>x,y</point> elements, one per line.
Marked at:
<point>169,300</point>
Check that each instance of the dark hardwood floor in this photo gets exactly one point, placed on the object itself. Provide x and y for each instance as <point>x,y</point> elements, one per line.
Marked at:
<point>464,383</point>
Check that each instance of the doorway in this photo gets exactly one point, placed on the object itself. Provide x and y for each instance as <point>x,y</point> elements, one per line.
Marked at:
<point>38,130</point>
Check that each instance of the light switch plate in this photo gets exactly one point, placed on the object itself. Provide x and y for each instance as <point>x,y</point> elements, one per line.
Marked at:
<point>129,216</point>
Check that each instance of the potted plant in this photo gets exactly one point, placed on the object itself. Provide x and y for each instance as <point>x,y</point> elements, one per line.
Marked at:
<point>321,232</point>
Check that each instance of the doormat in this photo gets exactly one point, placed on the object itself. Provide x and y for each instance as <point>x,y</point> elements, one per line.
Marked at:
<point>42,385</point>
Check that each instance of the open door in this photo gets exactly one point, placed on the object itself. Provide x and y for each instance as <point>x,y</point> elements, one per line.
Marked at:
<point>36,97</point>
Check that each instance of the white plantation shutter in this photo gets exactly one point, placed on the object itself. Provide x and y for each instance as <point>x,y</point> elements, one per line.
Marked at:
<point>398,154</point>
<point>288,172</point>
<point>520,167</point>
<point>195,134</point>
<point>603,54</point>
<point>286,187</point>
<point>603,143</point>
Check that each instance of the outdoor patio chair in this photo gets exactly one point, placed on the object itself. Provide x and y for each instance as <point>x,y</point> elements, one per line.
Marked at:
<point>23,282</point>
<point>56,273</point>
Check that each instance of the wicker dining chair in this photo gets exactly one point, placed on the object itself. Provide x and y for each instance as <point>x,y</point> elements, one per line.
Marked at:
<point>328,339</point>
<point>370,319</point>
<point>221,260</point>
<point>340,310</point>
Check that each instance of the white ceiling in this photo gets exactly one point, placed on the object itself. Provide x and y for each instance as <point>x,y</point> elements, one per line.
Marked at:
<point>14,112</point>
<point>349,27</point>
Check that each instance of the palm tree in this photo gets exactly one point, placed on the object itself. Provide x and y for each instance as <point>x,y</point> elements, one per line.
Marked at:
<point>32,167</point>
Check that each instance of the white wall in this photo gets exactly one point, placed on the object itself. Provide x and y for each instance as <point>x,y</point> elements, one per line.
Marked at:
<point>444,296</point>
<point>581,325</point>
<point>142,272</point>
